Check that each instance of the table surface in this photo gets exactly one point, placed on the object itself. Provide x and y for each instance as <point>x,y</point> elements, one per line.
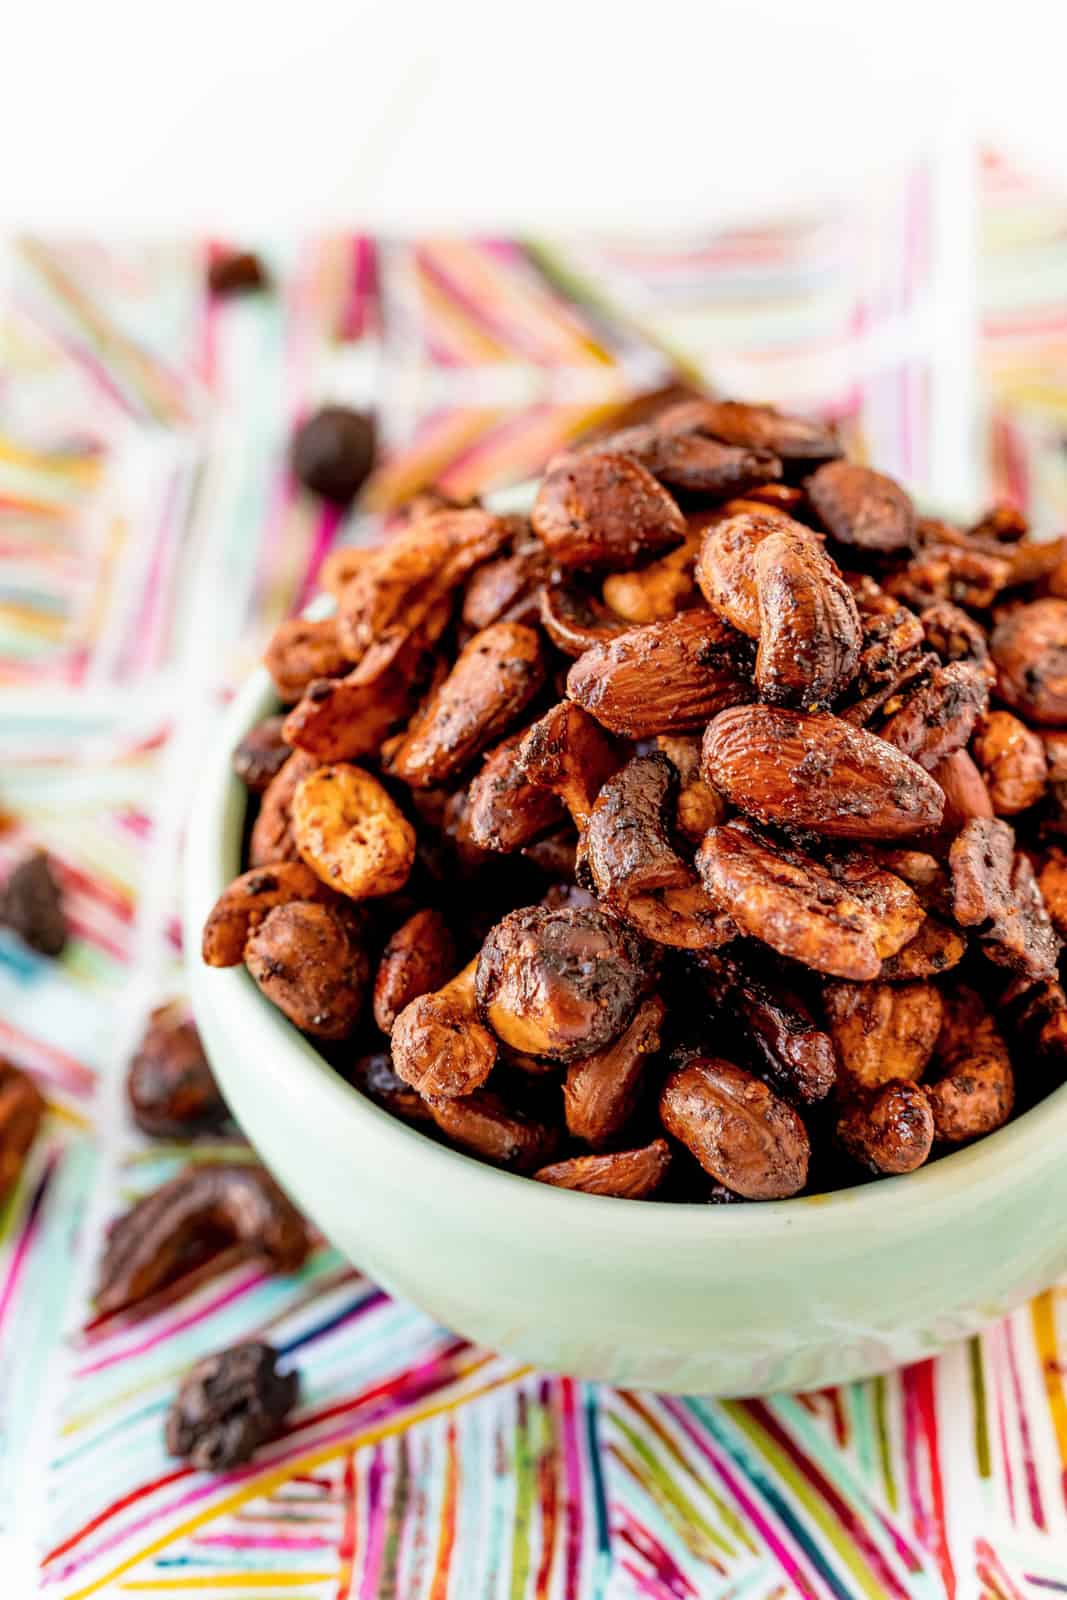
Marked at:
<point>150,539</point>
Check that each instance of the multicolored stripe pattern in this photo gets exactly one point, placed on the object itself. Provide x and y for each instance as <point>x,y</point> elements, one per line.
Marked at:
<point>150,537</point>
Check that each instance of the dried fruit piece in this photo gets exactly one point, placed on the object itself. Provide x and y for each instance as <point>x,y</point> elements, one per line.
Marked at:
<point>603,509</point>
<point>789,1049</point>
<point>261,754</point>
<point>245,902</point>
<point>817,771</point>
<point>333,452</point>
<point>570,755</point>
<point>416,960</point>
<point>1012,761</point>
<point>840,917</point>
<point>861,507</point>
<point>22,1108</point>
<point>228,1405</point>
<point>351,832</point>
<point>170,1085</point>
<point>507,810</point>
<point>439,1046</point>
<point>883,1031</point>
<point>810,632</point>
<point>309,960</point>
<point>601,1091</point>
<point>271,839</point>
<point>667,677</point>
<point>198,1213</point>
<point>626,1174</point>
<point>890,1129</point>
<point>974,1089</point>
<point>488,1127</point>
<point>938,713</point>
<point>560,983</point>
<point>738,1129</point>
<point>31,905</point>
<point>495,677</point>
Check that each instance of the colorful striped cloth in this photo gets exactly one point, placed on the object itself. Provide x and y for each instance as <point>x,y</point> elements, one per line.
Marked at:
<point>150,538</point>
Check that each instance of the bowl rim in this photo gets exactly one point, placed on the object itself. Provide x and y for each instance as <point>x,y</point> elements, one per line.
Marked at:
<point>951,1185</point>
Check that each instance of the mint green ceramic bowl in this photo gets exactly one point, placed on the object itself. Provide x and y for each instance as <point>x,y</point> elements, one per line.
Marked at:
<point>724,1300</point>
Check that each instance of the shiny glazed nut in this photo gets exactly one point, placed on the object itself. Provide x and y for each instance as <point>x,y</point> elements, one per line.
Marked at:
<point>439,1046</point>
<point>417,960</point>
<point>1029,650</point>
<point>495,677</point>
<point>21,1111</point>
<point>839,917</point>
<point>1012,761</point>
<point>272,839</point>
<point>341,719</point>
<point>810,633</point>
<point>506,589</point>
<point>936,948</point>
<point>603,509</point>
<point>228,1405</point>
<point>310,962</point>
<point>351,832</point>
<point>574,619</point>
<point>882,1031</point>
<point>818,772</point>
<point>626,1174</point>
<point>738,1129</point>
<point>170,1086</point>
<point>560,984</point>
<point>507,810</point>
<point>205,1208</point>
<point>301,651</point>
<point>726,564</point>
<point>762,427</point>
<point>570,755</point>
<point>995,885</point>
<point>953,634</point>
<point>964,788</point>
<point>675,448</point>
<point>243,905</point>
<point>261,754</point>
<point>486,1126</point>
<point>980,862</point>
<point>792,1052</point>
<point>975,1088</point>
<point>601,1091</point>
<point>667,677</point>
<point>967,577</point>
<point>938,713</point>
<point>861,507</point>
<point>889,1130</point>
<point>373,1075</point>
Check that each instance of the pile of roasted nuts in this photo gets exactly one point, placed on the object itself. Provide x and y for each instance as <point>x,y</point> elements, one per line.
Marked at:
<point>698,836</point>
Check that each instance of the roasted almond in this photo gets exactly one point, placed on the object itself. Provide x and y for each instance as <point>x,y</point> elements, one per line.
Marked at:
<point>603,509</point>
<point>861,507</point>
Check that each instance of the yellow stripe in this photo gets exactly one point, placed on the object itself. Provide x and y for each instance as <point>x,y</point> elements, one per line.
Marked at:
<point>1043,1316</point>
<point>235,1580</point>
<point>274,1477</point>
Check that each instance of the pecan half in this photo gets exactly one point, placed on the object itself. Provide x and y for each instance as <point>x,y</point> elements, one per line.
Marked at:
<point>995,885</point>
<point>938,713</point>
<point>882,1031</point>
<point>738,1128</point>
<point>968,577</point>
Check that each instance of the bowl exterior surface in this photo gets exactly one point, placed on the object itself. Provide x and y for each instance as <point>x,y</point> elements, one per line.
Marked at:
<point>749,1300</point>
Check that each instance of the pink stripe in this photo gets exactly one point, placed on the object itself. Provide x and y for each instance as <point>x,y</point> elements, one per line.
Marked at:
<point>129,1351</point>
<point>29,1232</point>
<point>325,534</point>
<point>572,1468</point>
<point>1037,1510</point>
<point>260,1541</point>
<point>375,1545</point>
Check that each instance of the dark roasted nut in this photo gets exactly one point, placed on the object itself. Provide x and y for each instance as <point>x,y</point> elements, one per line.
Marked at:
<point>861,507</point>
<point>236,272</point>
<point>726,565</point>
<point>272,839</point>
<point>507,810</point>
<point>667,677</point>
<point>170,1085</point>
<point>1012,762</point>
<point>974,1089</point>
<point>626,1174</point>
<point>889,1129</point>
<point>199,1213</point>
<point>1039,563</point>
<point>980,862</point>
<point>786,1046</point>
<point>675,448</point>
<point>936,948</point>
<point>352,833</point>
<point>310,962</point>
<point>333,452</point>
<point>953,634</point>
<point>261,754</point>
<point>938,713</point>
<point>601,1090</point>
<point>21,1110</point>
<point>495,677</point>
<point>817,771</point>
<point>635,867</point>
<point>657,591</point>
<point>994,884</point>
<point>507,589</point>
<point>964,788</point>
<point>417,960</point>
<point>840,916</point>
<point>374,1076</point>
<point>560,984</point>
<point>300,652</point>
<point>603,510</point>
<point>574,620</point>
<point>570,755</point>
<point>245,902</point>
<point>1036,1015</point>
<point>738,1129</point>
<point>228,1405</point>
<point>1002,522</point>
<point>485,1125</point>
<point>762,427</point>
<point>344,719</point>
<point>966,576</point>
<point>1029,649</point>
<point>882,1031</point>
<point>810,632</point>
<point>31,905</point>
<point>439,1046</point>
